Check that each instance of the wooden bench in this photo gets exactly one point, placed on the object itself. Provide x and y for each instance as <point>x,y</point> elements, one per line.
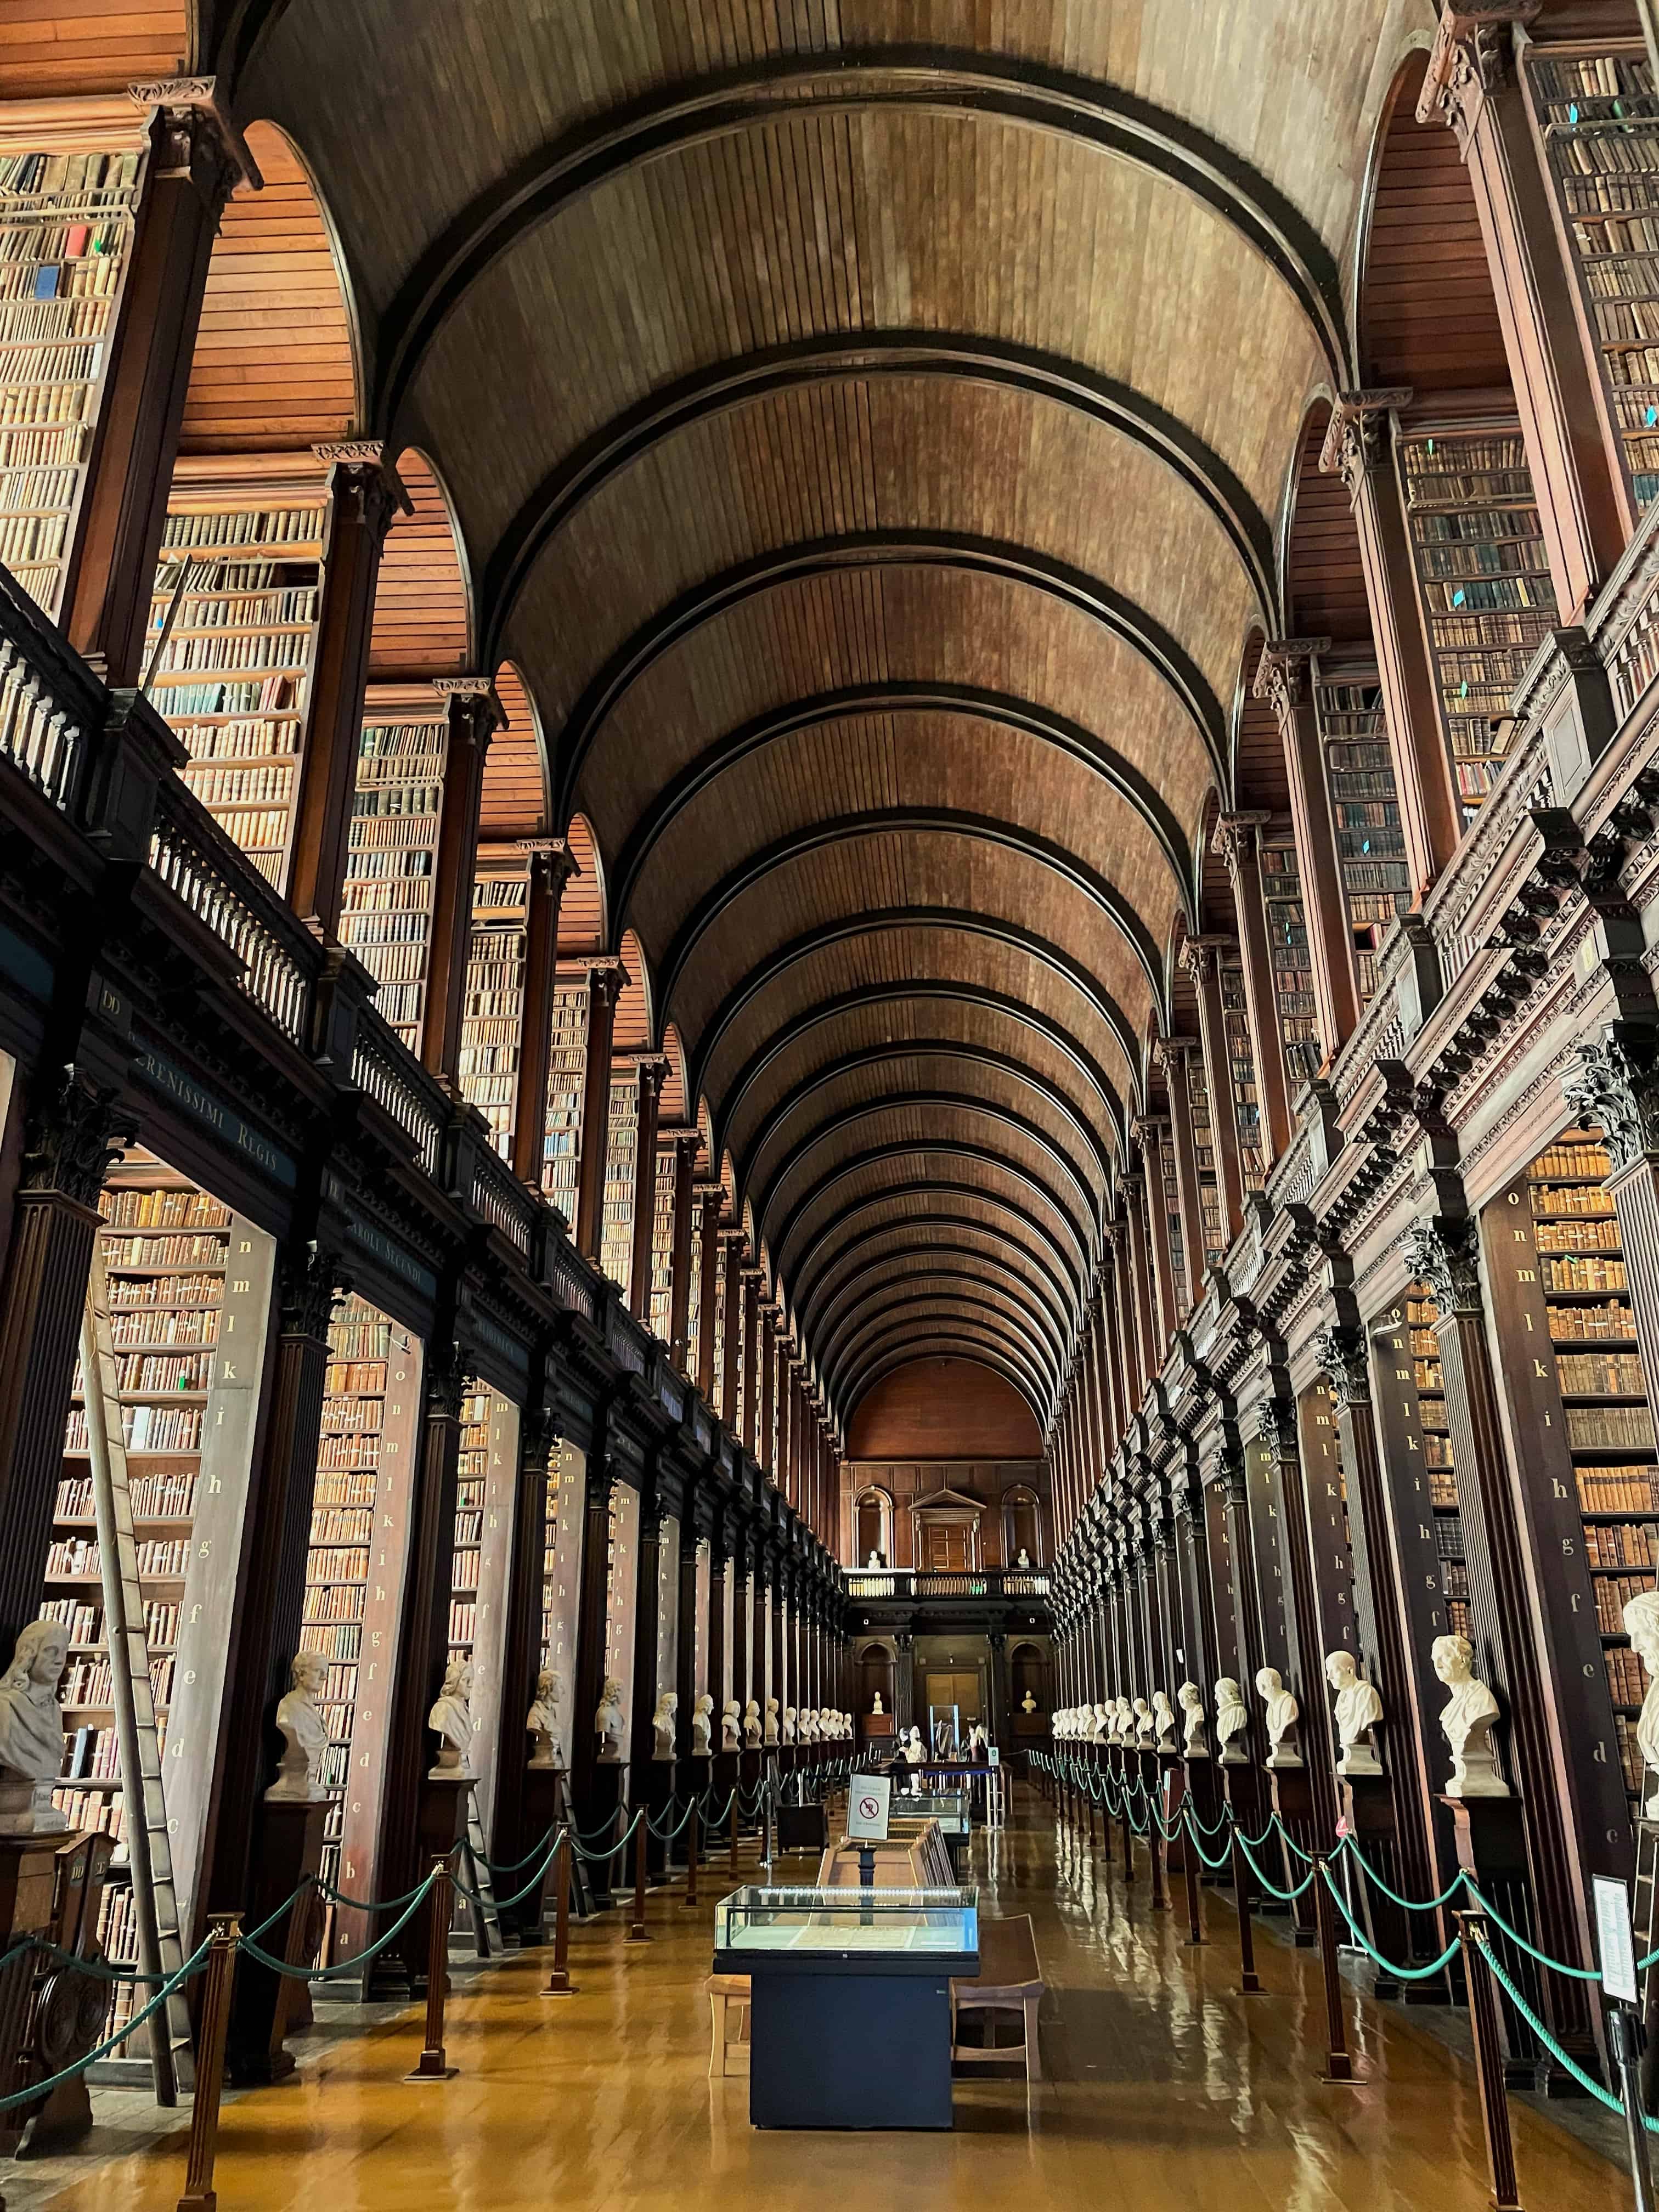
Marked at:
<point>1010,1979</point>
<point>726,1990</point>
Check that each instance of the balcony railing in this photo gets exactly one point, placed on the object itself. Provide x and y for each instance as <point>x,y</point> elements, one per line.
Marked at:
<point>907,1582</point>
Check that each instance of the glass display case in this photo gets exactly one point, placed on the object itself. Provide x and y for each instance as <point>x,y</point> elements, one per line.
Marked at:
<point>935,1924</point>
<point>950,1807</point>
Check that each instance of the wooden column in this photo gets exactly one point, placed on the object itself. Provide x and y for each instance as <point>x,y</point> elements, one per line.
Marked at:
<point>749,1428</point>
<point>784,1443</point>
<point>1583,501</point>
<point>1313,1615</point>
<point>717,1622</point>
<point>732,1243</point>
<point>1283,677</point>
<point>1088,1374</point>
<point>551,867</point>
<point>1148,1133</point>
<point>271,1578</point>
<point>591,1620</point>
<point>1192,1556</point>
<point>741,1689</point>
<point>642,1737</point>
<point>686,1685</point>
<point>687,1145</point>
<point>1249,1640</point>
<point>1105,1357</point>
<point>521,1634</point>
<point>652,1073</point>
<point>1360,442</point>
<point>765,1434</point>
<point>710,1199</point>
<point>1128,1331</point>
<point>423,1629</point>
<point>475,715</point>
<point>1201,959</point>
<point>1173,1053</point>
<point>1140,1258</point>
<point>1237,840</point>
<point>195,158</point>
<point>604,985</point>
<point>73,1132</point>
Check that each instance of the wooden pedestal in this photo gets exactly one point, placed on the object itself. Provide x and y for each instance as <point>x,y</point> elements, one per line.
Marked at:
<point>268,2007</point>
<point>597,1821</point>
<point>1203,1785</point>
<point>1293,1802</point>
<point>657,1795</point>
<point>440,1822</point>
<point>748,1772</point>
<point>50,1885</point>
<point>727,1767</point>
<point>1490,1834</point>
<point>1368,1809</point>
<point>1172,1791</point>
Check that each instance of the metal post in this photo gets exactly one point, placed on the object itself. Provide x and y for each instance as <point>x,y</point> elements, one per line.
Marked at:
<point>691,1855</point>
<point>637,1933</point>
<point>199,2193</point>
<point>1627,2051</point>
<point>1338,2066</point>
<point>1250,1985</point>
<point>1129,1839</point>
<point>1194,1906</point>
<point>1155,1853</point>
<point>1489,2064</point>
<point>433,2065</point>
<point>734,1829</point>
<point>558,1982</point>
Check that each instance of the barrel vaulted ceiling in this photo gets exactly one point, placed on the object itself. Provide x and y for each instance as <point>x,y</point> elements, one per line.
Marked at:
<point>867,421</point>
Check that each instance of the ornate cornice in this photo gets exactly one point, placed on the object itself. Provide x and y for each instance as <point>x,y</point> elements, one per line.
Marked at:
<point>1342,1352</point>
<point>313,1283</point>
<point>1615,1083</point>
<point>1357,440</point>
<point>1445,1254</point>
<point>1472,56</point>
<point>1281,674</point>
<point>74,1137</point>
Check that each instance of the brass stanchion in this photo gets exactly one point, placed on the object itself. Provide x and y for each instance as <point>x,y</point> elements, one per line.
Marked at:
<point>1194,1902</point>
<point>691,1855</point>
<point>1489,2064</point>
<point>433,2064</point>
<point>1250,1985</point>
<point>558,1982</point>
<point>636,1933</point>
<point>1338,2066</point>
<point>200,2195</point>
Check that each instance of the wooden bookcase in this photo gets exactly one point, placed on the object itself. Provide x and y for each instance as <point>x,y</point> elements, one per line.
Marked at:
<point>1429,1386</point>
<point>1365,805</point>
<point>1483,581</point>
<point>386,913</point>
<point>242,555</point>
<point>1604,1401</point>
<point>66,210</point>
<point>1292,961</point>
<point>694,1292</point>
<point>662,1240</point>
<point>621,1154</point>
<point>1209,1188</point>
<point>1598,123</point>
<point>717,1387</point>
<point>1246,1106</point>
<point>492,1017</point>
<point>566,1067</point>
<point>1172,1236</point>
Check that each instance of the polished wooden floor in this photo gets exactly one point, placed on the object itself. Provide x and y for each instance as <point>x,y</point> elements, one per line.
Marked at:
<point>1165,2089</point>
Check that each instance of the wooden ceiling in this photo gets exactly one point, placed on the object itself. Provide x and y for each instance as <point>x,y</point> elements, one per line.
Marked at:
<point>865,422</point>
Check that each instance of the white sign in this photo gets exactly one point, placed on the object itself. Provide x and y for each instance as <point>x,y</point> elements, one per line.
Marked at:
<point>1614,1940</point>
<point>869,1798</point>
<point>995,1754</point>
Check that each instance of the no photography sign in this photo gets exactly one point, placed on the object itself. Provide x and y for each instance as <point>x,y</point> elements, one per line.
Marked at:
<point>867,1801</point>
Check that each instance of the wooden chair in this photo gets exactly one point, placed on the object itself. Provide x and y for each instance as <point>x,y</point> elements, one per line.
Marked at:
<point>1010,1979</point>
<point>726,1990</point>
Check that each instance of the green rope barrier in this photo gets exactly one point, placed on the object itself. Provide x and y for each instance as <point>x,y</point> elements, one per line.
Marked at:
<point>492,1869</point>
<point>601,1858</point>
<point>1284,1896</point>
<point>1407,1903</point>
<point>276,1965</point>
<point>1576,1973</point>
<point>1403,1973</point>
<point>388,1905</point>
<point>506,1904</point>
<point>192,1967</point>
<point>1214,1865</point>
<point>1292,1845</point>
<point>1583,2080</point>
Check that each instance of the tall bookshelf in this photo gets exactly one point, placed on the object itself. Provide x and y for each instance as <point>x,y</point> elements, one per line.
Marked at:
<point>694,1291</point>
<point>386,915</point>
<point>621,1158</point>
<point>566,1067</point>
<point>66,231</point>
<point>239,579</point>
<point>1600,127</point>
<point>1173,1241</point>
<point>1429,1384</point>
<point>1288,948</point>
<point>165,1246</point>
<point>492,1018</point>
<point>471,1474</point>
<point>717,1389</point>
<point>1483,582</point>
<point>1364,806</point>
<point>1604,1401</point>
<point>1209,1187</point>
<point>662,1240</point>
<point>1241,1062</point>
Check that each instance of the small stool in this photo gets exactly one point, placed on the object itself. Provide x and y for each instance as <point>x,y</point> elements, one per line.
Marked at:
<point>726,1989</point>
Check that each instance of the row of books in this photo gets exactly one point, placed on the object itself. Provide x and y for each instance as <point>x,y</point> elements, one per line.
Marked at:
<point>1602,1428</point>
<point>1613,1594</point>
<point>341,1525</point>
<point>349,1453</point>
<point>174,1290</point>
<point>334,1640</point>
<point>347,1414</point>
<point>1617,1374</point>
<point>157,1557</point>
<point>1586,1199</point>
<point>242,525</point>
<point>43,175</point>
<point>340,1601</point>
<point>1618,1489</point>
<point>98,1812</point>
<point>86,1684</point>
<point>1580,1235</point>
<point>351,1490</point>
<point>1621,1543</point>
<point>144,1428</point>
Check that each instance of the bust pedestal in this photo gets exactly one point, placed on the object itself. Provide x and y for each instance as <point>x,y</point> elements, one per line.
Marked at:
<point>546,1805</point>
<point>266,2007</point>
<point>1169,1782</point>
<point>1490,1835</point>
<point>609,1794</point>
<point>1368,1808</point>
<point>727,1768</point>
<point>749,1767</point>
<point>1202,1783</point>
<point>1292,1799</point>
<point>439,1824</point>
<point>50,1885</point>
<point>694,1773</point>
<point>1646,1919</point>
<point>655,1791</point>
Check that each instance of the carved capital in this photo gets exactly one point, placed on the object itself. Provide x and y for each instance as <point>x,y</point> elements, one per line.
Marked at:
<point>551,860</point>
<point>366,490</point>
<point>1275,1424</point>
<point>606,979</point>
<point>1616,1085</point>
<point>74,1136</point>
<point>1230,1477</point>
<point>312,1284</point>
<point>652,1068</point>
<point>1357,440</point>
<point>1234,838</point>
<point>1445,1254</point>
<point>1148,1130</point>
<point>1281,674</point>
<point>446,1374</point>
<point>1472,56</point>
<point>1341,1353</point>
<point>475,712</point>
<point>196,140</point>
<point>1200,957</point>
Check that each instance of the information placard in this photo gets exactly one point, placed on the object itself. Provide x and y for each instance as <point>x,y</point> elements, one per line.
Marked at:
<point>869,1800</point>
<point>1614,1940</point>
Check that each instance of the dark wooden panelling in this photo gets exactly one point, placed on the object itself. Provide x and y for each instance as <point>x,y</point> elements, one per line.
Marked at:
<point>421,611</point>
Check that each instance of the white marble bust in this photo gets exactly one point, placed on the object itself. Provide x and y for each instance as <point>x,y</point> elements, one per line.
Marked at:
<point>770,1731</point>
<point>1028,1704</point>
<point>1195,1741</point>
<point>608,1724</point>
<point>1466,1721</point>
<point>731,1725</point>
<point>305,1734</point>
<point>1124,1726</point>
<point>878,1707</point>
<point>1283,1713</point>
<point>792,1723</point>
<point>1145,1726</point>
<point>31,1731</point>
<point>1023,1563</point>
<point>451,1721</point>
<point>1163,1721</point>
<point>915,1751</point>
<point>1358,1710</point>
<point>1233,1721</point>
<point>1100,1719</point>
<point>1642,1626</point>
<point>662,1725</point>
<point>751,1726</point>
<point>542,1720</point>
<point>702,1726</point>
